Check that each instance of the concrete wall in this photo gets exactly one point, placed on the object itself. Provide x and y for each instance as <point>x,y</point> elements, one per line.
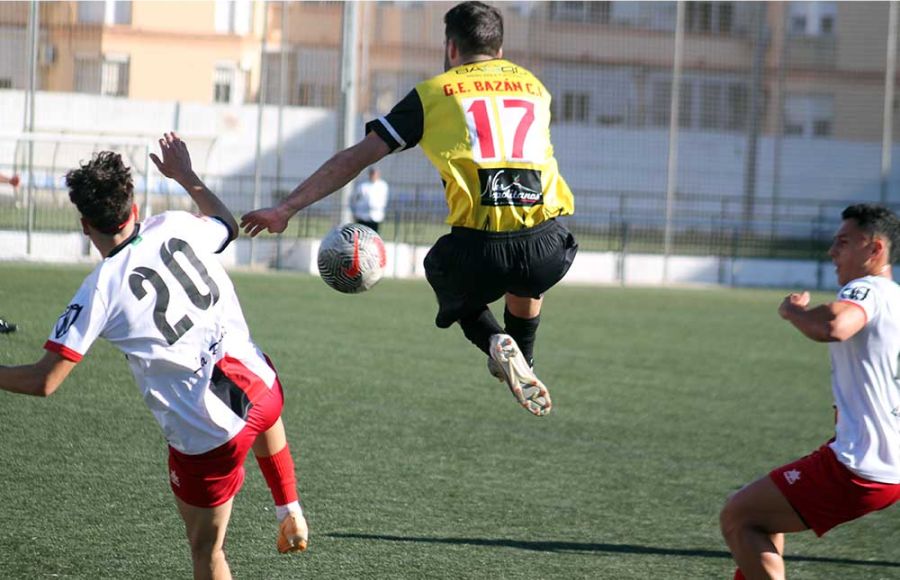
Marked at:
<point>405,261</point>
<point>593,159</point>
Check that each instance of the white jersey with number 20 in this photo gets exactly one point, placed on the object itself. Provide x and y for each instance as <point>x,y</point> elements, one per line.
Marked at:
<point>164,300</point>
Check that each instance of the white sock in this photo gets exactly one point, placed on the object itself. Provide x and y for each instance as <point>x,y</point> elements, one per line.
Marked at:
<point>281,511</point>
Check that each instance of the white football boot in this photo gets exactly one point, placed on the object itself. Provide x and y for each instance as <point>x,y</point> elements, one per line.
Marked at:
<point>510,366</point>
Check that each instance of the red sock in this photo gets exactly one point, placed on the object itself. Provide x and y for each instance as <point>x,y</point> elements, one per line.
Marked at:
<point>278,470</point>
<point>738,575</point>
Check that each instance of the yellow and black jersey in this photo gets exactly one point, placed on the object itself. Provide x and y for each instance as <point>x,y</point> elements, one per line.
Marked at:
<point>486,128</point>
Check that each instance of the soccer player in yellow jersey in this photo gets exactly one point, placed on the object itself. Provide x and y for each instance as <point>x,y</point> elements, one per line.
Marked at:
<point>485,125</point>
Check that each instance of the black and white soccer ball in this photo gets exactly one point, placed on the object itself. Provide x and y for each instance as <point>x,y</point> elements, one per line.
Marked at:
<point>352,258</point>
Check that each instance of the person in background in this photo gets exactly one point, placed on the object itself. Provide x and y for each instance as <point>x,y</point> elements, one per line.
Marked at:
<point>370,200</point>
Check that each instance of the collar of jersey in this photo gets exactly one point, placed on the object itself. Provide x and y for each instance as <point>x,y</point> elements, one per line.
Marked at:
<point>479,61</point>
<point>125,242</point>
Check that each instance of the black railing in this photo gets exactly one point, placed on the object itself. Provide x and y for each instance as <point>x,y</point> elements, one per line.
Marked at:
<point>634,222</point>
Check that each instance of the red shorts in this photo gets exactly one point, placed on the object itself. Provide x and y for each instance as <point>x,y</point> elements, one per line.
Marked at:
<point>824,493</point>
<point>214,477</point>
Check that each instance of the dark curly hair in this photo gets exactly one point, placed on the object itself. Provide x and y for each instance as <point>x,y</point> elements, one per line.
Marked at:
<point>475,27</point>
<point>103,191</point>
<point>877,220</point>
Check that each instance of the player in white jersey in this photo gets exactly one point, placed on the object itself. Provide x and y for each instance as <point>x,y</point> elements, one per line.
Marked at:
<point>161,297</point>
<point>858,471</point>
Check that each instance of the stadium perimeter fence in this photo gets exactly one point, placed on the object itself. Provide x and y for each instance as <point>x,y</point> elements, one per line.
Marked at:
<point>619,222</point>
<point>691,128</point>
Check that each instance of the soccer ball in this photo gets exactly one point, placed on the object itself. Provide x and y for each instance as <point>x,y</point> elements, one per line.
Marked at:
<point>352,258</point>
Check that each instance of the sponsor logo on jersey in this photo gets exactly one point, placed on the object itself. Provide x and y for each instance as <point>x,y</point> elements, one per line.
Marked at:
<point>67,319</point>
<point>858,294</point>
<point>792,476</point>
<point>518,187</point>
<point>486,68</point>
<point>173,477</point>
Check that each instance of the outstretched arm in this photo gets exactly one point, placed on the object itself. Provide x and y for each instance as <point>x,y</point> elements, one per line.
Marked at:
<point>40,379</point>
<point>832,322</point>
<point>331,176</point>
<point>176,164</point>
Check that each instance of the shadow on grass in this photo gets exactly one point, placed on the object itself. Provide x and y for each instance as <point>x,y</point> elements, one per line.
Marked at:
<point>549,546</point>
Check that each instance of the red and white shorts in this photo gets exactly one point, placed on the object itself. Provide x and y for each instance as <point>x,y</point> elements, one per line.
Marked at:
<point>214,477</point>
<point>824,493</point>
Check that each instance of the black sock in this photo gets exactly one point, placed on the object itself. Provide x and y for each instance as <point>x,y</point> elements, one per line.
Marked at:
<point>479,327</point>
<point>523,331</point>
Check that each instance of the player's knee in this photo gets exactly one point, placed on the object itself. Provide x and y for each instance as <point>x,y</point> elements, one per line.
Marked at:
<point>205,547</point>
<point>207,555</point>
<point>731,517</point>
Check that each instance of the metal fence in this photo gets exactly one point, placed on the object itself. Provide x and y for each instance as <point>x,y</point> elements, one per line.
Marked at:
<point>702,128</point>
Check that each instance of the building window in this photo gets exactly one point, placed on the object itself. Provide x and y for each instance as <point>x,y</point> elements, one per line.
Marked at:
<point>311,77</point>
<point>661,102</point>
<point>707,103</point>
<point>576,107</point>
<point>87,75</point>
<point>316,81</point>
<point>315,95</point>
<point>709,17</point>
<point>809,115</point>
<point>726,18</point>
<point>737,107</point>
<point>109,12</point>
<point>114,78</point>
<point>685,110</point>
<point>233,16</point>
<point>91,12</point>
<point>711,106</point>
<point>223,84</point>
<point>821,128</point>
<point>595,12</point>
<point>794,129</point>
<point>121,12</point>
<point>107,76</point>
<point>812,18</point>
<point>272,75</point>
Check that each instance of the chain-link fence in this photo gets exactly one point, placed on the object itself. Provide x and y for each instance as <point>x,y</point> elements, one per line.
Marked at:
<point>779,121</point>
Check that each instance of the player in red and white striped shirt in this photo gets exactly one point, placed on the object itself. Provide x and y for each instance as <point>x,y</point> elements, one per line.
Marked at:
<point>161,296</point>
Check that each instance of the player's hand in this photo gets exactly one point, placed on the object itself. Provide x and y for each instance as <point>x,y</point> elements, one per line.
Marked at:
<point>176,161</point>
<point>793,302</point>
<point>269,218</point>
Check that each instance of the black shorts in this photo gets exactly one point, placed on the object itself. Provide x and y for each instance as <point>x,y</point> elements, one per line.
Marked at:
<point>469,269</point>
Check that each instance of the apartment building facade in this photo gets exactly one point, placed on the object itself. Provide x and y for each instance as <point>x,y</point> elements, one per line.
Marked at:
<point>609,64</point>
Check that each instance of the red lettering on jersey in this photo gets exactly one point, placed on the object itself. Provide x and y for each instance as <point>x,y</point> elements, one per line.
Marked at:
<point>448,90</point>
<point>516,86</point>
<point>479,86</point>
<point>533,90</point>
<point>461,88</point>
